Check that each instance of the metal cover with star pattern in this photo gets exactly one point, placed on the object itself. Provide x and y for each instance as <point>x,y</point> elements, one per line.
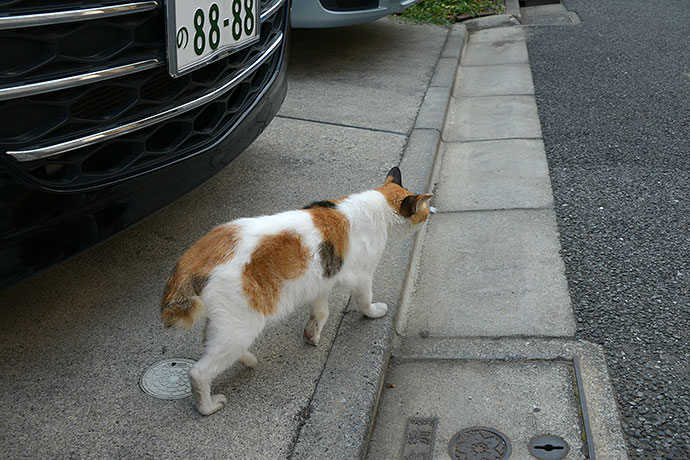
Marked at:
<point>418,438</point>
<point>168,379</point>
<point>479,443</point>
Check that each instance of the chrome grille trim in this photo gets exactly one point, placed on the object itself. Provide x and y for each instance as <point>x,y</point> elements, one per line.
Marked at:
<point>42,19</point>
<point>12,92</point>
<point>76,80</point>
<point>271,9</point>
<point>57,149</point>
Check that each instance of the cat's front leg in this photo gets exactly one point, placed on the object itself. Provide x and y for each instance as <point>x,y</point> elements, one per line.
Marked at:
<point>362,294</point>
<point>317,319</point>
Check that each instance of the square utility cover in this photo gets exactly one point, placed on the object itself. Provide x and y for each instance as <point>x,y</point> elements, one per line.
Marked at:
<point>501,405</point>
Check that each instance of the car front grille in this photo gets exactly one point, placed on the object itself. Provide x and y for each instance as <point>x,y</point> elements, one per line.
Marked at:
<point>87,135</point>
<point>47,52</point>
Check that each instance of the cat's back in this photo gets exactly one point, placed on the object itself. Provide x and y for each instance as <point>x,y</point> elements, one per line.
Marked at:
<point>293,250</point>
<point>296,223</point>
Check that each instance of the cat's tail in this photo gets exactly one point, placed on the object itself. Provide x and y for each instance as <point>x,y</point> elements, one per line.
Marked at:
<point>181,305</point>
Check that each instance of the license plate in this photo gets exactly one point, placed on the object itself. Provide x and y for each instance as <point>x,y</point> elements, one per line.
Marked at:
<point>201,30</point>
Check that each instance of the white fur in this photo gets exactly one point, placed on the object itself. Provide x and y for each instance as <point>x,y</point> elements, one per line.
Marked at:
<point>233,325</point>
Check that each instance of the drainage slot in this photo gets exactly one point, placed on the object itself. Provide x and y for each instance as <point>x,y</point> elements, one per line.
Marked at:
<point>548,447</point>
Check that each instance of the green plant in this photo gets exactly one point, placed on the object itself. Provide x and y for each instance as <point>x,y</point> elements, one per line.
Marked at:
<point>447,11</point>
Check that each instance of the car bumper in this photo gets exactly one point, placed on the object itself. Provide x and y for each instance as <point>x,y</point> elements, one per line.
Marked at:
<point>312,14</point>
<point>41,225</point>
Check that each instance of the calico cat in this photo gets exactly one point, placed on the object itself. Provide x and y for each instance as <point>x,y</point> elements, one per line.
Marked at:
<point>244,273</point>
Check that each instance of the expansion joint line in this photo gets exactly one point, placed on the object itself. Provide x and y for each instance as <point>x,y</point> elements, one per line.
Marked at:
<point>342,125</point>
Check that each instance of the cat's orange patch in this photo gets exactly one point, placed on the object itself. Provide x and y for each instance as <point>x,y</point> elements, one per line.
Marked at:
<point>277,258</point>
<point>214,248</point>
<point>192,271</point>
<point>334,227</point>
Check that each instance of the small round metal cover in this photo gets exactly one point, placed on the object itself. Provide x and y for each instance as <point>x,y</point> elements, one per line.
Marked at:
<point>168,379</point>
<point>479,443</point>
<point>548,447</point>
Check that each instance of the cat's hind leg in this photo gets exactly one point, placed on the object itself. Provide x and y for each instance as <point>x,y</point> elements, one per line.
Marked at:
<point>248,358</point>
<point>362,294</point>
<point>224,346</point>
<point>212,363</point>
<point>317,319</point>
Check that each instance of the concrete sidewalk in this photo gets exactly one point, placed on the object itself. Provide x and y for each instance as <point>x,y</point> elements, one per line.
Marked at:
<point>483,336</point>
<point>75,341</point>
<point>486,366</point>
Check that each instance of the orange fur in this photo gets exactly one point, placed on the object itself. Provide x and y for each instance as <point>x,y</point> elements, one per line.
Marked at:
<point>422,209</point>
<point>394,194</point>
<point>277,258</point>
<point>181,305</point>
<point>334,227</point>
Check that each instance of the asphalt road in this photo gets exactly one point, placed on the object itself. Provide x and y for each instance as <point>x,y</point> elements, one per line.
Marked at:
<point>75,340</point>
<point>614,100</point>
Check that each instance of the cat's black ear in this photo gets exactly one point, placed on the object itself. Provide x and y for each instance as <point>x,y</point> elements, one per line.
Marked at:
<point>408,206</point>
<point>394,176</point>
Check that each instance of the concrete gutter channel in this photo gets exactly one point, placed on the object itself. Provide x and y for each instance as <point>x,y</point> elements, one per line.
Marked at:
<point>339,418</point>
<point>484,335</point>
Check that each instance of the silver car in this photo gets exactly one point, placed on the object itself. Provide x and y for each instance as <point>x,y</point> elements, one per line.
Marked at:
<point>336,13</point>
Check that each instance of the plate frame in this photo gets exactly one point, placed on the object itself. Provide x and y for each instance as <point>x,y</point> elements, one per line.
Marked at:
<point>170,39</point>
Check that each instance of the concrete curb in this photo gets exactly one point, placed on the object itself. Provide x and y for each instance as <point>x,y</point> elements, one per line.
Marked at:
<point>489,22</point>
<point>338,420</point>
<point>513,8</point>
<point>422,147</point>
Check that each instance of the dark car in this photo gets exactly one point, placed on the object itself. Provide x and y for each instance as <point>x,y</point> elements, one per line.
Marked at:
<point>111,110</point>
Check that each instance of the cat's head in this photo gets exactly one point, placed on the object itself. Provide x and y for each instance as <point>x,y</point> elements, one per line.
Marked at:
<point>413,208</point>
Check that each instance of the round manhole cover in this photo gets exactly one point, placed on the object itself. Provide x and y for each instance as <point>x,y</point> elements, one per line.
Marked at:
<point>479,444</point>
<point>168,379</point>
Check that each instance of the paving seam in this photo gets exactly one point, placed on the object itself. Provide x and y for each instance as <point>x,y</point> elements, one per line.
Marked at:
<point>342,125</point>
<point>432,338</point>
<point>506,64</point>
<point>310,442</point>
<point>507,359</point>
<point>471,141</point>
<point>478,97</point>
<point>467,211</point>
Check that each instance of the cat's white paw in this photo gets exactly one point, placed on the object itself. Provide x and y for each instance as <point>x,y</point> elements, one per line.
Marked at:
<point>217,403</point>
<point>376,310</point>
<point>312,335</point>
<point>248,359</point>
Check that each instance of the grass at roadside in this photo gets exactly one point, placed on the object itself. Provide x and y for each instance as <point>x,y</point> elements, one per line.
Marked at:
<point>449,11</point>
